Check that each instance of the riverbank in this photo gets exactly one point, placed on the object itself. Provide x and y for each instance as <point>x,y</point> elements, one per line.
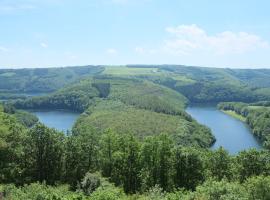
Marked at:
<point>231,133</point>
<point>234,115</point>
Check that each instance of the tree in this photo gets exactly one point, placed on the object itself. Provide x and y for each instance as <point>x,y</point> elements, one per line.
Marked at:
<point>156,161</point>
<point>258,188</point>
<point>251,163</point>
<point>12,135</point>
<point>125,169</point>
<point>188,168</point>
<point>44,150</point>
<point>108,146</point>
<point>219,164</point>
<point>82,155</point>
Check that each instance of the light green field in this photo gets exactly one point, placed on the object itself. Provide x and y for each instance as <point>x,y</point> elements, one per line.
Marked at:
<point>234,115</point>
<point>8,74</point>
<point>258,107</point>
<point>122,70</point>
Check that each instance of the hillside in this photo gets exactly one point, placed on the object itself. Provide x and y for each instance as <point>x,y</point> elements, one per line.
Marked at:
<point>149,100</point>
<point>198,84</point>
<point>42,80</point>
<point>125,119</point>
<point>126,105</point>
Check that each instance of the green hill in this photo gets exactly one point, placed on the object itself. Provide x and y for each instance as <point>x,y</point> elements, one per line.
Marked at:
<point>124,119</point>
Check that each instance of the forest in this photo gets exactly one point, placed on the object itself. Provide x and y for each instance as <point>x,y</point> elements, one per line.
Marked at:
<point>133,139</point>
<point>120,166</point>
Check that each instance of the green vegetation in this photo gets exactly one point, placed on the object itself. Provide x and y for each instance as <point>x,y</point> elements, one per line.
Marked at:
<point>234,114</point>
<point>90,165</point>
<point>126,71</point>
<point>254,188</point>
<point>75,97</point>
<point>126,106</point>
<point>119,117</point>
<point>42,80</point>
<point>25,118</point>
<point>205,85</point>
<point>196,83</point>
<point>133,139</point>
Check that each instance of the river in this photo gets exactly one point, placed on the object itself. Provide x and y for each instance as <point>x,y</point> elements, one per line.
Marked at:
<point>232,134</point>
<point>61,120</point>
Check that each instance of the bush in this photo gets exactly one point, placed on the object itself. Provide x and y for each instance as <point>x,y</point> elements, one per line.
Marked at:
<point>90,183</point>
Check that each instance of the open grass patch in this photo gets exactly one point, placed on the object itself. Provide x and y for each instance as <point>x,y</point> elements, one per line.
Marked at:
<point>234,115</point>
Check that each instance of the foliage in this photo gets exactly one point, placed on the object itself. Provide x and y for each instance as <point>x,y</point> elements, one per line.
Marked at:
<point>134,132</point>
<point>11,148</point>
<point>75,97</point>
<point>25,118</point>
<point>90,183</point>
<point>43,154</point>
<point>141,123</point>
<point>43,80</point>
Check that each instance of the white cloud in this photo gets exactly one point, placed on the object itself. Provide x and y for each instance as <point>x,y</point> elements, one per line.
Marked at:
<point>13,6</point>
<point>126,2</point>
<point>143,50</point>
<point>119,1</point>
<point>189,39</point>
<point>111,51</point>
<point>3,49</point>
<point>139,50</point>
<point>44,45</point>
<point>10,6</point>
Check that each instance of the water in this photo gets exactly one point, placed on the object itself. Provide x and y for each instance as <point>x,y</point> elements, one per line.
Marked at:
<point>59,119</point>
<point>232,134</point>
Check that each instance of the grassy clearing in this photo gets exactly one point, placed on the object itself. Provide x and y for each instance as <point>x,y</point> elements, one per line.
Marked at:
<point>259,108</point>
<point>123,70</point>
<point>8,74</point>
<point>234,115</point>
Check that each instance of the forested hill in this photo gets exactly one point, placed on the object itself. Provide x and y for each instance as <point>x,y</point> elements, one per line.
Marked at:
<point>126,105</point>
<point>42,80</point>
<point>198,84</point>
<point>144,100</point>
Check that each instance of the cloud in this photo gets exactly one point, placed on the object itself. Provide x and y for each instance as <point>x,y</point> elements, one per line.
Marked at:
<point>125,2</point>
<point>13,6</point>
<point>44,45</point>
<point>143,50</point>
<point>111,51</point>
<point>3,49</point>
<point>139,50</point>
<point>17,5</point>
<point>189,39</point>
<point>119,1</point>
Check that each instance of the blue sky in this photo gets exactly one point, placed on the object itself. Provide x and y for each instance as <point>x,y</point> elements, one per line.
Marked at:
<point>51,33</point>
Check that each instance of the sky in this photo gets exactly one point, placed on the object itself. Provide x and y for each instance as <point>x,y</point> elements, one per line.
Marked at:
<point>53,33</point>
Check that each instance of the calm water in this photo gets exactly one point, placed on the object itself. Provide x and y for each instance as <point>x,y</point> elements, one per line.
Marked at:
<point>59,119</point>
<point>230,133</point>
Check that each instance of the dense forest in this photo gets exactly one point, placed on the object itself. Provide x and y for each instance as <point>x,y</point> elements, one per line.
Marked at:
<point>198,84</point>
<point>119,166</point>
<point>133,139</point>
<point>126,105</point>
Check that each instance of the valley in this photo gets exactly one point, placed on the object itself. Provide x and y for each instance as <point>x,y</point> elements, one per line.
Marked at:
<point>132,128</point>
